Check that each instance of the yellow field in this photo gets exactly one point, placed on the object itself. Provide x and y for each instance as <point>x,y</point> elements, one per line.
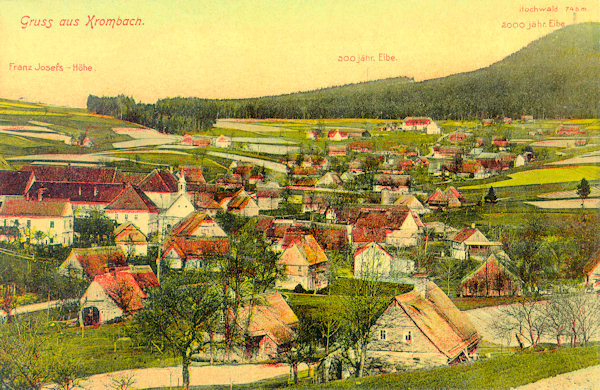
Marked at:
<point>545,176</point>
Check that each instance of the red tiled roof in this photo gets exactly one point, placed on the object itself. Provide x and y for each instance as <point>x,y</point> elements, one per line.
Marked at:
<point>187,226</point>
<point>96,261</point>
<point>77,192</point>
<point>33,208</point>
<point>330,238</point>
<point>193,174</point>
<point>130,177</point>
<point>123,289</point>
<point>464,234</point>
<point>144,276</point>
<point>160,181</point>
<point>15,182</point>
<point>195,248</point>
<point>132,199</point>
<point>270,316</point>
<point>65,173</point>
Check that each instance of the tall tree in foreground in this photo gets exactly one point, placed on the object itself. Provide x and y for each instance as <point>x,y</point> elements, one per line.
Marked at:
<point>360,307</point>
<point>583,190</point>
<point>177,317</point>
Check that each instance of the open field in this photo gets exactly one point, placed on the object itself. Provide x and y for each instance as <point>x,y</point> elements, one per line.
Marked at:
<point>546,175</point>
<point>503,372</point>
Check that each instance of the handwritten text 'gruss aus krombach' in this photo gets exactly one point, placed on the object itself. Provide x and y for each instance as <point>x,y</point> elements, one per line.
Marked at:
<point>92,22</point>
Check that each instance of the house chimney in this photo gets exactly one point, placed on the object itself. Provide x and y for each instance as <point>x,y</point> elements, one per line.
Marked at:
<point>95,191</point>
<point>420,283</point>
<point>40,194</point>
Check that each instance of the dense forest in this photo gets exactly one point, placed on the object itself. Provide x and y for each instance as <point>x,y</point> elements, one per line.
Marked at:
<point>556,76</point>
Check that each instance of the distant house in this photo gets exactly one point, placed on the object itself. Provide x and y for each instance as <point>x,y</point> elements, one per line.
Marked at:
<point>527,118</point>
<point>241,203</point>
<point>193,241</point>
<point>131,240</point>
<point>305,264</point>
<point>132,205</point>
<point>447,151</point>
<point>569,129</point>
<point>391,182</point>
<point>115,294</point>
<point>329,180</point>
<point>334,150</point>
<point>520,161</point>
<point>312,134</point>
<point>471,243</point>
<point>422,124</point>
<point>192,140</point>
<point>457,137</point>
<point>337,135</point>
<point>372,261</point>
<point>53,219</point>
<point>412,203</point>
<point>91,262</point>
<point>501,143</point>
<point>493,278</point>
<point>447,199</point>
<point>268,196</point>
<point>421,329</point>
<point>223,141</point>
<point>268,327</point>
<point>396,226</point>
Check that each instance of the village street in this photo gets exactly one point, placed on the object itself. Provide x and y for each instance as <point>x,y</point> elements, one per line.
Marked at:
<point>31,308</point>
<point>584,379</point>
<point>199,376</point>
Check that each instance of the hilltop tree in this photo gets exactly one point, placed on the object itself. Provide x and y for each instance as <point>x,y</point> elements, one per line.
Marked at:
<point>491,196</point>
<point>583,190</point>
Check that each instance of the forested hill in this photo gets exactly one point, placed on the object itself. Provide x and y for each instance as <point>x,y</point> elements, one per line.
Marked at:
<point>555,76</point>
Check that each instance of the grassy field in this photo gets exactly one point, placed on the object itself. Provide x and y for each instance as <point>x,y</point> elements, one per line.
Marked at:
<point>546,176</point>
<point>502,372</point>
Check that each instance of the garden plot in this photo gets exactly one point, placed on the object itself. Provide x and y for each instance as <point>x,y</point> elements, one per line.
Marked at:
<point>143,142</point>
<point>143,136</point>
<point>586,158</point>
<point>277,167</point>
<point>240,125</point>
<point>79,158</point>
<point>566,204</point>
<point>272,149</point>
<point>265,140</point>
<point>556,143</point>
<point>594,193</point>
<point>35,132</point>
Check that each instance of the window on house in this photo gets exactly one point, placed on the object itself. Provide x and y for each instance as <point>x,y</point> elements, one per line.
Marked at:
<point>51,224</point>
<point>382,334</point>
<point>408,337</point>
<point>52,241</point>
<point>126,217</point>
<point>135,217</point>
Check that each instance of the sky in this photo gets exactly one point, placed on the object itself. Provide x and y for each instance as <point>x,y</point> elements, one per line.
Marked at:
<point>238,49</point>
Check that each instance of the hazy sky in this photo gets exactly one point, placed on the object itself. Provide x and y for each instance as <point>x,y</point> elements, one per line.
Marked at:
<point>230,49</point>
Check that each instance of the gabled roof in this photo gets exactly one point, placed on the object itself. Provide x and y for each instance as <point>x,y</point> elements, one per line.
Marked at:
<point>123,289</point>
<point>127,232</point>
<point>448,329</point>
<point>239,201</point>
<point>160,181</point>
<point>504,264</point>
<point>189,225</point>
<point>193,174</point>
<point>134,178</point>
<point>33,208</point>
<point>309,250</point>
<point>591,265</point>
<point>270,316</point>
<point>132,198</point>
<point>15,182</point>
<point>372,246</point>
<point>197,248</point>
<point>464,234</point>
<point>96,261</point>
<point>144,276</point>
<point>73,174</point>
